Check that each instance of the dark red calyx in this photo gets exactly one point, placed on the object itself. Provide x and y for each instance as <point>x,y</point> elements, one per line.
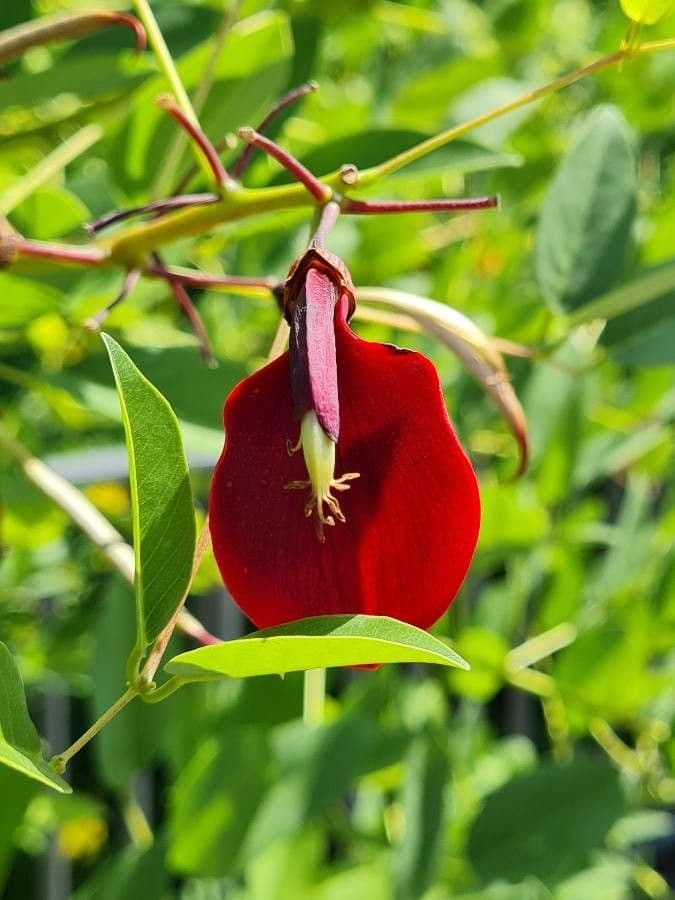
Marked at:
<point>310,297</point>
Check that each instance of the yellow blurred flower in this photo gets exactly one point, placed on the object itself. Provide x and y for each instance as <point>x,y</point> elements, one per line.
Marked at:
<point>82,838</point>
<point>110,497</point>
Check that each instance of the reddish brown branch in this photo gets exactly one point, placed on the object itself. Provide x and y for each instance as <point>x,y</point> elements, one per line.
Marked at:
<point>130,282</point>
<point>63,27</point>
<point>189,309</point>
<point>320,192</point>
<point>241,164</point>
<point>86,256</point>
<point>377,207</point>
<point>168,104</point>
<point>157,208</point>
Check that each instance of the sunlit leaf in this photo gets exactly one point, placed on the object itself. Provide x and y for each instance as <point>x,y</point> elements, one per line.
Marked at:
<point>161,497</point>
<point>317,642</point>
<point>20,747</point>
<point>647,12</point>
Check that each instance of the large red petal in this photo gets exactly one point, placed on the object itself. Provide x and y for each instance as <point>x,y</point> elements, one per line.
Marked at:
<point>412,517</point>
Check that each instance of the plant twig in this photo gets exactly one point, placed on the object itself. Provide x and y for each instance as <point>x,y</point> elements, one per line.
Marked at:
<point>241,163</point>
<point>174,154</point>
<point>310,182</point>
<point>85,515</point>
<point>192,129</point>
<point>378,207</point>
<point>63,27</point>
<point>60,761</point>
<point>314,696</point>
<point>157,207</point>
<point>168,68</point>
<point>369,176</point>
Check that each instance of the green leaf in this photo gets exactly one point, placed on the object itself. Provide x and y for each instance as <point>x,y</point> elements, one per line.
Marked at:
<point>49,212</point>
<point>216,797</point>
<point>300,792</point>
<point>24,300</point>
<point>135,872</point>
<point>20,747</point>
<point>646,12</point>
<point>85,79</point>
<point>161,497</point>
<point>318,642</point>
<point>16,793</point>
<point>585,225</point>
<point>547,823</point>
<point>423,805</point>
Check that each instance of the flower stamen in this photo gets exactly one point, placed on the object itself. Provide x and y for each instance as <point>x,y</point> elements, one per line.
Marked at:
<point>319,452</point>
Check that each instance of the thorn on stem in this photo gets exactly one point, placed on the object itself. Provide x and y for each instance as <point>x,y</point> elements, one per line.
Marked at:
<point>190,311</point>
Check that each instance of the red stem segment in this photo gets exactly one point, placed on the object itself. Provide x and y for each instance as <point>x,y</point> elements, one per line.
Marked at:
<point>118,18</point>
<point>86,256</point>
<point>241,164</point>
<point>376,207</point>
<point>168,104</point>
<point>190,311</point>
<point>320,192</point>
<point>130,282</point>
<point>201,280</point>
<point>157,208</point>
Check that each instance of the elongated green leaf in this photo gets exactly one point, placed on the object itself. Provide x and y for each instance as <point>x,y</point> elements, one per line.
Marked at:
<point>585,225</point>
<point>422,798</point>
<point>19,741</point>
<point>314,643</point>
<point>163,513</point>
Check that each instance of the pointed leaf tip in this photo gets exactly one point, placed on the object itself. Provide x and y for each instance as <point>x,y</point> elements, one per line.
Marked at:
<point>316,642</point>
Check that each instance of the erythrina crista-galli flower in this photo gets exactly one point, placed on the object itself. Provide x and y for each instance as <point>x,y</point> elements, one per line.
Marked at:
<point>342,487</point>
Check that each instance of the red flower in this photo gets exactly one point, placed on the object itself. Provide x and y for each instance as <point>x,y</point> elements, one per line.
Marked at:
<point>379,513</point>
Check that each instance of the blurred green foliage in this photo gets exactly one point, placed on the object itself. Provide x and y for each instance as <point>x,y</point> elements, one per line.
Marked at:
<point>546,772</point>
